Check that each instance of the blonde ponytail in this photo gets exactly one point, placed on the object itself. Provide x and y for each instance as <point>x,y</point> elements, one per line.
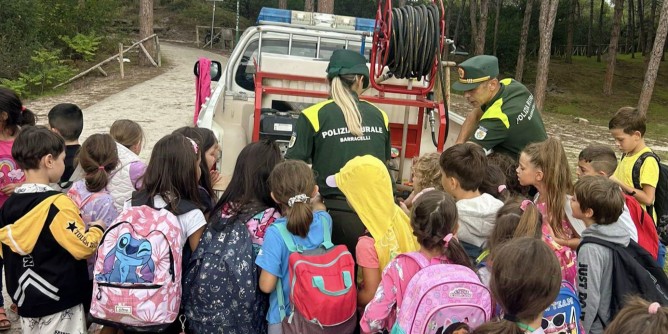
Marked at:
<point>343,97</point>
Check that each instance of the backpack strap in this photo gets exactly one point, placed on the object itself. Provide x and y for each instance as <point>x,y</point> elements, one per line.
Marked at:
<point>418,258</point>
<point>635,174</point>
<point>287,238</point>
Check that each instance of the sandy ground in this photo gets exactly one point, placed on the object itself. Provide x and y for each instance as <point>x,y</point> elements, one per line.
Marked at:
<point>160,105</point>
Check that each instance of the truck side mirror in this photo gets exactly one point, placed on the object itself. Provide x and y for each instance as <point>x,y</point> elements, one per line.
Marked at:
<point>216,70</point>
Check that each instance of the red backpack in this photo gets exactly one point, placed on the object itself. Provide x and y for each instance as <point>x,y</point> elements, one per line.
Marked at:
<point>647,235</point>
<point>322,288</point>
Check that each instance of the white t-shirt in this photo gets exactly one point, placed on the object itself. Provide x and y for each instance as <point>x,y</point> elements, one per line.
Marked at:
<point>191,221</point>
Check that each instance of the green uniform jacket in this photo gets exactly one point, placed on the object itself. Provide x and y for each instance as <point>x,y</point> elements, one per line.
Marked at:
<point>322,138</point>
<point>510,121</point>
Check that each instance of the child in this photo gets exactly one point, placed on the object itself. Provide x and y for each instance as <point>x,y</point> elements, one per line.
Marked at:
<point>462,169</point>
<point>599,203</point>
<point>129,137</point>
<point>516,218</point>
<point>494,183</point>
<point>248,189</point>
<point>426,175</point>
<point>433,219</point>
<point>66,119</point>
<point>210,152</point>
<point>365,181</point>
<point>525,281</point>
<point>544,166</point>
<point>44,240</point>
<point>640,317</point>
<point>627,127</point>
<point>171,176</point>
<point>97,159</point>
<point>292,185</point>
<point>600,160</point>
<point>247,200</point>
<point>14,115</point>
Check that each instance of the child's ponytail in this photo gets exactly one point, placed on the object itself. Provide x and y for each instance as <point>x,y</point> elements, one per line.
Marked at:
<point>292,182</point>
<point>516,218</point>
<point>434,222</point>
<point>98,157</point>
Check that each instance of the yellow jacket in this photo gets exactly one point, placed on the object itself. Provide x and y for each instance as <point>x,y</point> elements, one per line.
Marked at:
<point>366,183</point>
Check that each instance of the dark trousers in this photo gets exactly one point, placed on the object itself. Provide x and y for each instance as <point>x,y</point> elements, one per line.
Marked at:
<point>346,224</point>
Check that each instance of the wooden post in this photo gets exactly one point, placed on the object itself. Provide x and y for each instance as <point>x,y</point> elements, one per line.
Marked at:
<point>197,35</point>
<point>157,47</point>
<point>120,59</point>
<point>148,54</point>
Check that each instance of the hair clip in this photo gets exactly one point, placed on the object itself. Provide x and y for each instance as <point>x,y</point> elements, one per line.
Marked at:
<point>301,198</point>
<point>525,204</point>
<point>23,108</point>
<point>653,308</point>
<point>501,188</point>
<point>447,239</point>
<point>195,147</point>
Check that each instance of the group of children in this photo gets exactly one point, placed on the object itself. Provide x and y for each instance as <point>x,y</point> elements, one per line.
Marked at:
<point>469,214</point>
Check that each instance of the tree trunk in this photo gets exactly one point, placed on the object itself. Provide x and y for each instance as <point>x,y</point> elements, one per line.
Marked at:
<point>283,4</point>
<point>653,65</point>
<point>600,32</point>
<point>455,37</point>
<point>308,6</point>
<point>630,32</point>
<point>146,29</point>
<point>402,3</point>
<point>479,25</point>
<point>612,49</point>
<point>641,23</point>
<point>569,39</point>
<point>548,14</point>
<point>519,68</point>
<point>326,6</point>
<point>473,10</point>
<point>650,24</point>
<point>499,4</point>
<point>591,26</point>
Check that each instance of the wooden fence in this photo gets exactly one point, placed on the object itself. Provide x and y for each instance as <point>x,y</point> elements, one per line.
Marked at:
<point>121,50</point>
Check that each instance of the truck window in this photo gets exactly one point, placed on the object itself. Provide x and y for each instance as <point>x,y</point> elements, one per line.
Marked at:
<point>245,80</point>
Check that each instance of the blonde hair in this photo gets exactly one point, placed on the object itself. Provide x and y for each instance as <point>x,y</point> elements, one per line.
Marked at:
<point>427,165</point>
<point>127,132</point>
<point>343,97</point>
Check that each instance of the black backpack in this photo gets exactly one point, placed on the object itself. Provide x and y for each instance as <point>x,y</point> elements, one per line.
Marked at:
<point>221,291</point>
<point>634,273</point>
<point>660,196</point>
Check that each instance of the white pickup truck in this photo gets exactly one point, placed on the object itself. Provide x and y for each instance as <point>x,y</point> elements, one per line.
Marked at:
<point>278,68</point>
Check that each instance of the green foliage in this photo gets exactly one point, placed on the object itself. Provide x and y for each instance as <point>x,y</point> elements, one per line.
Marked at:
<point>83,45</point>
<point>19,86</point>
<point>30,25</point>
<point>47,69</point>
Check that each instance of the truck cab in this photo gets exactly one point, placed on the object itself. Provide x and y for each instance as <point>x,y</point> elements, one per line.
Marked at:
<point>278,68</point>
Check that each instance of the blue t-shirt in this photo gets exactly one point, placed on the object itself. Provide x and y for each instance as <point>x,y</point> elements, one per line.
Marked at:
<point>273,257</point>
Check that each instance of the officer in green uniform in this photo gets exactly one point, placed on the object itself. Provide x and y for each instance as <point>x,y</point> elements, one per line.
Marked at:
<point>505,118</point>
<point>331,133</point>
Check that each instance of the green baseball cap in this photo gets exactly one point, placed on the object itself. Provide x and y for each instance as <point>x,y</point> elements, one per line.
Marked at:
<point>345,61</point>
<point>475,71</point>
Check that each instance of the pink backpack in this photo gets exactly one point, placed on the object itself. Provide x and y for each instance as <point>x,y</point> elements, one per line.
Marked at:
<point>137,274</point>
<point>442,297</point>
<point>322,287</point>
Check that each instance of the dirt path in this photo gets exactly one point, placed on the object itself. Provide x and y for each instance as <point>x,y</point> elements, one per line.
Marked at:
<point>160,105</point>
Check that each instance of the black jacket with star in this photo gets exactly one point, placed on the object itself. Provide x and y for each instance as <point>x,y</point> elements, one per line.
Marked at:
<point>44,246</point>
